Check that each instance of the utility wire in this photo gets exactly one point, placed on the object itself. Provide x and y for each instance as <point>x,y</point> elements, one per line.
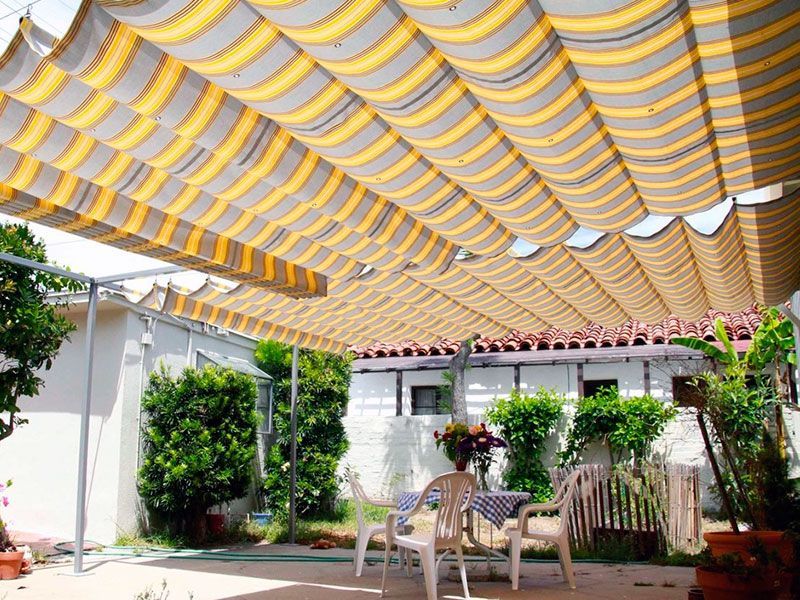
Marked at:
<point>18,11</point>
<point>26,6</point>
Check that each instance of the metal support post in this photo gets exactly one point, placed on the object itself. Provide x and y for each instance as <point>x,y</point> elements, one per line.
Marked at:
<point>293,455</point>
<point>796,312</point>
<point>83,453</point>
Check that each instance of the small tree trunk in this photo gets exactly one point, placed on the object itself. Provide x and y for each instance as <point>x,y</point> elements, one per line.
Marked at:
<point>780,433</point>
<point>195,527</point>
<point>739,483</point>
<point>458,367</point>
<point>723,491</point>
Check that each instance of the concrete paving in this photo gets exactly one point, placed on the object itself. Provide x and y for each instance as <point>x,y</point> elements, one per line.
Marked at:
<point>128,578</point>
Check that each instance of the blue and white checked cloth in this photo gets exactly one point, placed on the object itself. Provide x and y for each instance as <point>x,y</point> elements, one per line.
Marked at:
<point>496,507</point>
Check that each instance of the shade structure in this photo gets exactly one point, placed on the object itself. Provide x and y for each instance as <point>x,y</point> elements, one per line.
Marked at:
<point>368,170</point>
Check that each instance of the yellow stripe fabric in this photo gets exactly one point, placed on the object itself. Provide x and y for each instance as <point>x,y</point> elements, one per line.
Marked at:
<point>368,170</point>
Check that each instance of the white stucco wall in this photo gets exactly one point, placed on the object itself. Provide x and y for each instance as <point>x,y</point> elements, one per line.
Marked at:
<point>563,378</point>
<point>629,376</point>
<point>42,456</point>
<point>394,452</point>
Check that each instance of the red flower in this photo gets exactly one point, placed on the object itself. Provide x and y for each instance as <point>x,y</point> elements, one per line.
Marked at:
<point>447,436</point>
<point>436,434</point>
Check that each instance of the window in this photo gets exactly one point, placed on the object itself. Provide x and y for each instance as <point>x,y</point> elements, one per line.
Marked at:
<point>426,400</point>
<point>592,386</point>
<point>264,406</point>
<point>682,391</point>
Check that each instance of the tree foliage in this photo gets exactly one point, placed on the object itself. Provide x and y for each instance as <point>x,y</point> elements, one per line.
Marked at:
<point>199,441</point>
<point>525,422</point>
<point>31,328</point>
<point>621,424</point>
<point>322,396</point>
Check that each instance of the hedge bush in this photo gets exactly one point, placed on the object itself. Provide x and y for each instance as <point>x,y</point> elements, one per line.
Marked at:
<point>525,422</point>
<point>623,425</point>
<point>323,393</point>
<point>199,443</point>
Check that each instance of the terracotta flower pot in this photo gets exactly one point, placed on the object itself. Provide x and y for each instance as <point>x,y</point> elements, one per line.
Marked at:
<point>10,564</point>
<point>216,523</point>
<point>724,586</point>
<point>728,542</point>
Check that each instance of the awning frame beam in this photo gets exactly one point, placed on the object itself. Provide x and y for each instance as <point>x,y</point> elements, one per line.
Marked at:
<point>91,319</point>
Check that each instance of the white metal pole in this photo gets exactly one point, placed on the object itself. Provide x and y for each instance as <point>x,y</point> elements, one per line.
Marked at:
<point>83,453</point>
<point>293,451</point>
<point>796,311</point>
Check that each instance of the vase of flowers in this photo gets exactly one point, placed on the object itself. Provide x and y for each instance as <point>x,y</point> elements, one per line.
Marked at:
<point>448,442</point>
<point>478,447</point>
<point>10,557</point>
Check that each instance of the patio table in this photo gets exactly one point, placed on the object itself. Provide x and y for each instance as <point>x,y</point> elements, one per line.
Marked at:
<point>495,506</point>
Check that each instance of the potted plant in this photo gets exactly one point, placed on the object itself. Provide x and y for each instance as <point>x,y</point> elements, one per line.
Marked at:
<point>448,443</point>
<point>10,556</point>
<point>738,409</point>
<point>730,577</point>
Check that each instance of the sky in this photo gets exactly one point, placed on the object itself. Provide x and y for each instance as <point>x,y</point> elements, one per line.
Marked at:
<point>52,15</point>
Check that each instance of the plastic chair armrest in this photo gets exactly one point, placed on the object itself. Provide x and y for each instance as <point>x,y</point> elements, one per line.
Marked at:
<point>380,502</point>
<point>525,512</point>
<point>396,514</point>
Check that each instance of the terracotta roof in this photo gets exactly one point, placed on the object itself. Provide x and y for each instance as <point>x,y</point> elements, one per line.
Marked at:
<point>739,326</point>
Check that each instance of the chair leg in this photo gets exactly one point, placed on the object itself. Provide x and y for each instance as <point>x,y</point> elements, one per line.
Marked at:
<point>514,550</point>
<point>428,560</point>
<point>361,551</point>
<point>387,556</point>
<point>463,570</point>
<point>565,559</point>
<point>407,554</point>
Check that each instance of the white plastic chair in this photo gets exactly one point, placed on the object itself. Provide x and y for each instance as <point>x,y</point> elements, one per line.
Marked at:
<point>455,495</point>
<point>561,503</point>
<point>367,530</point>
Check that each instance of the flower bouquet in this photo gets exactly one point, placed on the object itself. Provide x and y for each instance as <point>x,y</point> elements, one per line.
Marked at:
<point>478,447</point>
<point>449,440</point>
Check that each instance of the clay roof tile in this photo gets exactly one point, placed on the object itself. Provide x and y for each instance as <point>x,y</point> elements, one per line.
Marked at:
<point>739,326</point>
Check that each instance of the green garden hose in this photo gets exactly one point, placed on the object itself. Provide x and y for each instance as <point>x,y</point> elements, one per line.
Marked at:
<point>225,555</point>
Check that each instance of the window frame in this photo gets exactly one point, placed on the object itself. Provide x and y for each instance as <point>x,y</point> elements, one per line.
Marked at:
<point>597,384</point>
<point>437,396</point>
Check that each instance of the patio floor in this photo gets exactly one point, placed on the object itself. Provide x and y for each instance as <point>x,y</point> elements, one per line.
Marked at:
<point>126,578</point>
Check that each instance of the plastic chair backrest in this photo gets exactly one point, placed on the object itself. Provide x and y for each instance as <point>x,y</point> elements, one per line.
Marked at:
<point>359,495</point>
<point>563,498</point>
<point>456,490</point>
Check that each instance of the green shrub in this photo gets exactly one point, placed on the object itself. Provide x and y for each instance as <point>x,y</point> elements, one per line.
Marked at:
<point>322,396</point>
<point>525,422</point>
<point>199,443</point>
<point>31,328</point>
<point>622,424</point>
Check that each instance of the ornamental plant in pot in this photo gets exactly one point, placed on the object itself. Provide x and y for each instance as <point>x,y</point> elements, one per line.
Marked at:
<point>730,577</point>
<point>10,557</point>
<point>448,443</point>
<point>478,447</point>
<point>740,419</point>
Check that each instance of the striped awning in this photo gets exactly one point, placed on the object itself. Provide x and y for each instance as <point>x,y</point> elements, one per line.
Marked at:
<point>382,170</point>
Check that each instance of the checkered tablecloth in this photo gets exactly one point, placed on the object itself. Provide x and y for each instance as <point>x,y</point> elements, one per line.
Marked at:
<point>496,507</point>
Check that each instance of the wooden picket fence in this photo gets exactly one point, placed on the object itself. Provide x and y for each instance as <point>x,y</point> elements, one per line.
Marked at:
<point>655,508</point>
